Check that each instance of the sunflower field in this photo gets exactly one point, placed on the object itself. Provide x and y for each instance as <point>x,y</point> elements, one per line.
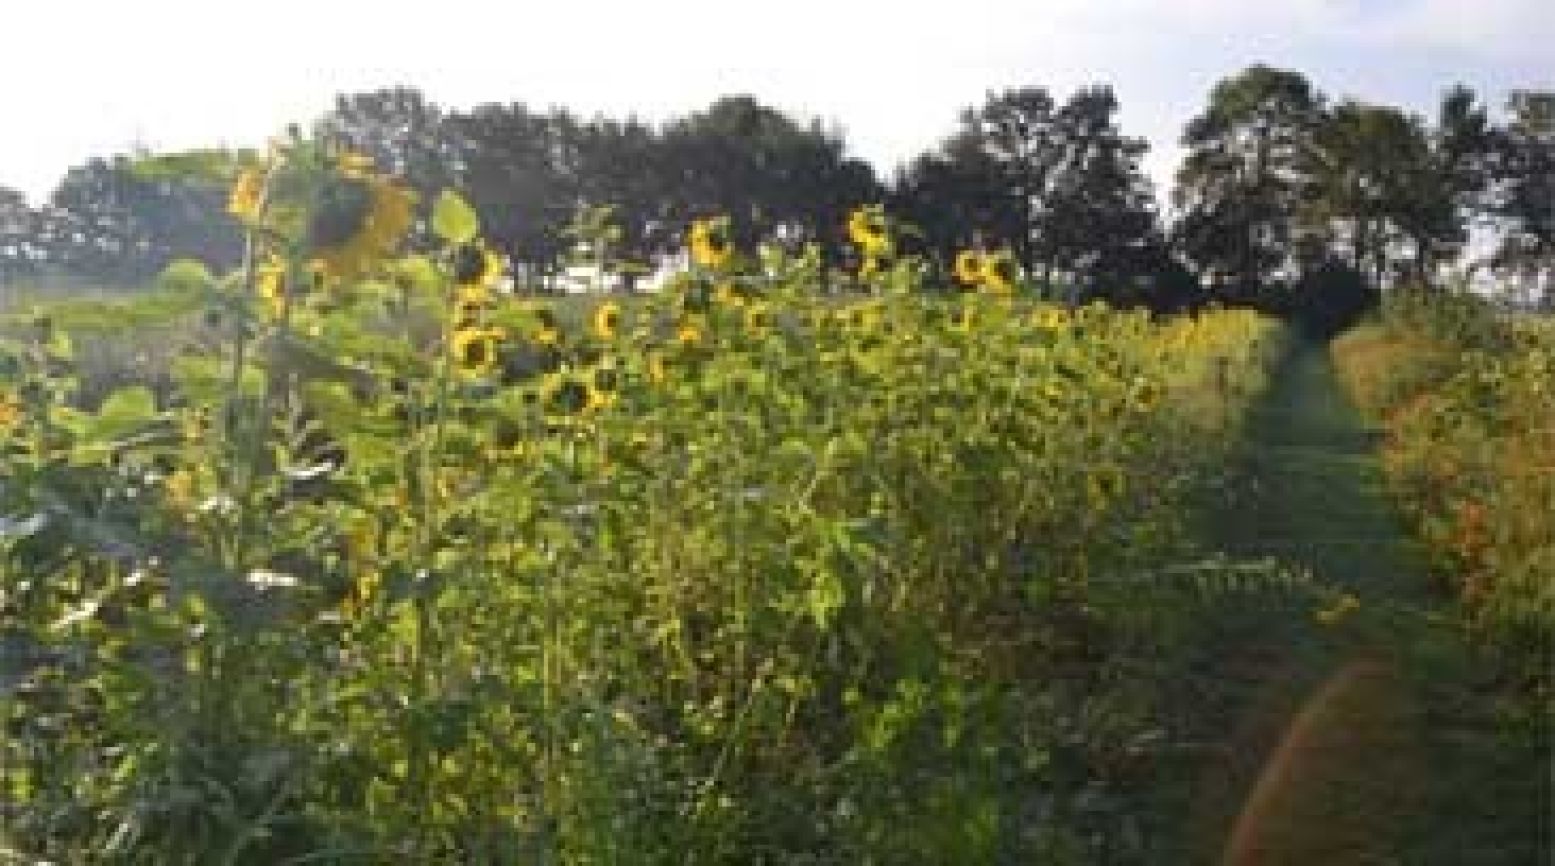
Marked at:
<point>369,559</point>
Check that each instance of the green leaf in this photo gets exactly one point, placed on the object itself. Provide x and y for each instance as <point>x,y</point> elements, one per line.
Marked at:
<point>453,219</point>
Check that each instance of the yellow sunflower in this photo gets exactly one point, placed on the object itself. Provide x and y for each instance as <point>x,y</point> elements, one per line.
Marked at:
<point>474,350</point>
<point>547,331</point>
<point>656,368</point>
<point>357,219</point>
<point>690,332</point>
<point>475,268</point>
<point>11,414</point>
<point>270,284</point>
<point>1000,273</point>
<point>710,244</point>
<point>727,295</point>
<point>604,383</point>
<point>564,395</point>
<point>969,267</point>
<point>867,230</point>
<point>607,320</point>
<point>1050,318</point>
<point>758,320</point>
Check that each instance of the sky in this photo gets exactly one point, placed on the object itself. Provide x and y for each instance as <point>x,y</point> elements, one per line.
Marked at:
<point>96,78</point>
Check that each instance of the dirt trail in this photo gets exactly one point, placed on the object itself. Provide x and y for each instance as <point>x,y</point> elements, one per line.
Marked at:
<point>1358,741</point>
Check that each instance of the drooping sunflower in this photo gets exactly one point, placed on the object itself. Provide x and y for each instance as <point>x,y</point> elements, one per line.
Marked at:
<point>247,197</point>
<point>607,321</point>
<point>867,230</point>
<point>969,267</point>
<point>11,414</point>
<point>270,285</point>
<point>1000,273</point>
<point>474,350</point>
<point>710,243</point>
<point>357,218</point>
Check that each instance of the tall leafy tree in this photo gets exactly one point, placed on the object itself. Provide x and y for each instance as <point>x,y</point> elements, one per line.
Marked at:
<point>1099,221</point>
<point>1241,186</point>
<point>1058,182</point>
<point>108,221</point>
<point>1524,197</point>
<point>1376,188</point>
<point>768,171</point>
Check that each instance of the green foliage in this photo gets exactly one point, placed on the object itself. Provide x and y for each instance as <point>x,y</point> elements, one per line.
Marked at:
<point>394,565</point>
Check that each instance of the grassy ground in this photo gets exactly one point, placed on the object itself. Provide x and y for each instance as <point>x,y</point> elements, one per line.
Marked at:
<point>1366,740</point>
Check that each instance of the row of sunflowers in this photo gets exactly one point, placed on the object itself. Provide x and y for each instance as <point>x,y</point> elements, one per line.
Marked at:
<point>385,563</point>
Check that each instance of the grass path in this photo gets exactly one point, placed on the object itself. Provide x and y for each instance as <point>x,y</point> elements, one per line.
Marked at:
<point>1368,741</point>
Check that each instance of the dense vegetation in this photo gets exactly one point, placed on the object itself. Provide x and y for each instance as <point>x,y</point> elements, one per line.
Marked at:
<point>1466,399</point>
<point>891,532</point>
<point>394,565</point>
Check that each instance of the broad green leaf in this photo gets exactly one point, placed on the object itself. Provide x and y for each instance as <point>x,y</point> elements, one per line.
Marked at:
<point>453,219</point>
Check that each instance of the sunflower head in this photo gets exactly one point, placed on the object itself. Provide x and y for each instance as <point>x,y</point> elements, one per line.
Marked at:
<point>690,332</point>
<point>758,320</point>
<point>476,266</point>
<point>867,229</point>
<point>474,350</point>
<point>711,246</point>
<point>565,395</point>
<point>969,267</point>
<point>270,285</point>
<point>604,385</point>
<point>547,330</point>
<point>1000,273</point>
<point>11,414</point>
<point>656,368</point>
<point>607,321</point>
<point>1050,318</point>
<point>356,219</point>
<point>247,198</point>
<point>727,295</point>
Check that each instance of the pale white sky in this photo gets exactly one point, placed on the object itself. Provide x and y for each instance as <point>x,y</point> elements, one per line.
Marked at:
<point>93,78</point>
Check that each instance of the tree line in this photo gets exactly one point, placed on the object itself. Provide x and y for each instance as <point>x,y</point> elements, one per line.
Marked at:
<point>1285,199</point>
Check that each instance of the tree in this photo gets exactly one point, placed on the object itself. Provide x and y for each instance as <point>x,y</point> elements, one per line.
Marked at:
<point>1059,183</point>
<point>768,172</point>
<point>1376,187</point>
<point>1523,202</point>
<point>405,133</point>
<point>1243,181</point>
<point>19,251</point>
<point>109,222</point>
<point>1099,222</point>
